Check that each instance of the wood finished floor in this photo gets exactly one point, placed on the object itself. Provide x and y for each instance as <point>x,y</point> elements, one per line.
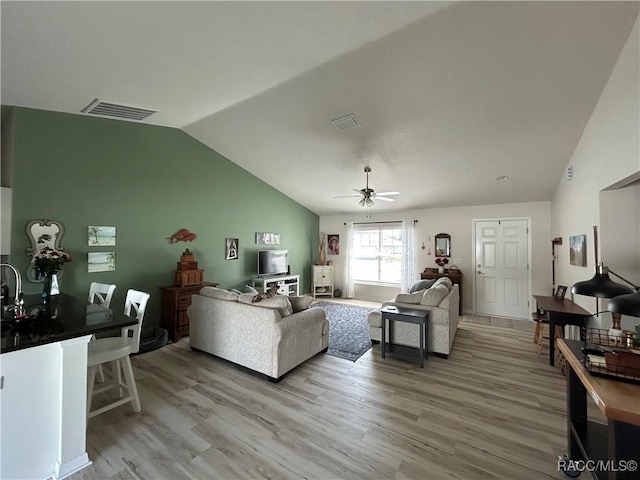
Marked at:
<point>493,409</point>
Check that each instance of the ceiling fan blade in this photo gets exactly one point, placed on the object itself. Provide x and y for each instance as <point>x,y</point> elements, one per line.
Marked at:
<point>385,199</point>
<point>393,192</point>
<point>359,191</point>
<point>348,196</point>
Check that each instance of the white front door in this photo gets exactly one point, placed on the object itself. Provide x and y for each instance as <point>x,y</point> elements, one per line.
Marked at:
<point>502,269</point>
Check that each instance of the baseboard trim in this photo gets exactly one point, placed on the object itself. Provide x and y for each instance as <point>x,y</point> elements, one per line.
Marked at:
<point>73,466</point>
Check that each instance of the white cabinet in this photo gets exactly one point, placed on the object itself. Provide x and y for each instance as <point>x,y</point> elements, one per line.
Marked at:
<point>43,407</point>
<point>287,284</point>
<point>323,280</point>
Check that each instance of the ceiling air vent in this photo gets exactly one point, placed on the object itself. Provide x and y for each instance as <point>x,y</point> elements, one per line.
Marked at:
<point>346,123</point>
<point>116,110</point>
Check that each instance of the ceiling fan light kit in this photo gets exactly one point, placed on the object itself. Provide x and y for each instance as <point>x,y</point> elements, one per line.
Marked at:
<point>368,194</point>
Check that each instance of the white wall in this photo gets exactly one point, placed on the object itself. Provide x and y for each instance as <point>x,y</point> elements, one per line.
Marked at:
<point>608,155</point>
<point>458,222</point>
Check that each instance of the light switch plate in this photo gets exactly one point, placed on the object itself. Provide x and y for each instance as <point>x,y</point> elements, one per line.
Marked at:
<point>457,261</point>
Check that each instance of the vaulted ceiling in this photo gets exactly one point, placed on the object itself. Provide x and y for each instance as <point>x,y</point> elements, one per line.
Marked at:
<point>449,95</point>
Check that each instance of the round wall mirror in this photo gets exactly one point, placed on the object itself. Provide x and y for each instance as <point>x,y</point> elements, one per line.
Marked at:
<point>43,233</point>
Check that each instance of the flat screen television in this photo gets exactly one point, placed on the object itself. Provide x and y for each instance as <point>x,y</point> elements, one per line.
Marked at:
<point>273,262</point>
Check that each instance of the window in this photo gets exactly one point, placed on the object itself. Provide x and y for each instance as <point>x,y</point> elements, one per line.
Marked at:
<point>377,253</point>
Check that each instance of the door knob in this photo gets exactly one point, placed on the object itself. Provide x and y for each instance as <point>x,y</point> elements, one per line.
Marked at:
<point>479,272</point>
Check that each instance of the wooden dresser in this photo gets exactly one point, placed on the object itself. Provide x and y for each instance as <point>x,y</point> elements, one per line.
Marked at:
<point>175,301</point>
<point>454,275</point>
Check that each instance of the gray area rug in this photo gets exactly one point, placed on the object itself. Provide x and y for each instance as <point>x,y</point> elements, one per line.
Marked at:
<point>348,329</point>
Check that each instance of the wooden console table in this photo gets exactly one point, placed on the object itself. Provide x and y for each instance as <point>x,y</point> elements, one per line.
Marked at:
<point>559,313</point>
<point>617,441</point>
<point>454,275</point>
<point>175,301</point>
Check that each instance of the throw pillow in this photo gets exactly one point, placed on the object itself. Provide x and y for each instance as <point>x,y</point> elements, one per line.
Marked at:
<point>235,290</point>
<point>246,298</point>
<point>446,281</point>
<point>279,302</point>
<point>300,303</point>
<point>414,298</point>
<point>219,293</point>
<point>421,285</point>
<point>434,295</point>
<point>250,289</point>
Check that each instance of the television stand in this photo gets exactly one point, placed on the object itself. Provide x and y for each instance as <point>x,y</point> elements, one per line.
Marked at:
<point>287,284</point>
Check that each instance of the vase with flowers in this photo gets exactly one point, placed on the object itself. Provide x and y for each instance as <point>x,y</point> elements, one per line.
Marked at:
<point>441,262</point>
<point>48,263</point>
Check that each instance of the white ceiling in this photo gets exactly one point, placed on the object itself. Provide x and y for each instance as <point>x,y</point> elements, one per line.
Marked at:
<point>449,95</point>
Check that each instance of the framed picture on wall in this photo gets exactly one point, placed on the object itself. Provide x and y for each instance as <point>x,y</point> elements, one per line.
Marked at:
<point>578,250</point>
<point>99,236</point>
<point>231,249</point>
<point>333,244</point>
<point>265,238</point>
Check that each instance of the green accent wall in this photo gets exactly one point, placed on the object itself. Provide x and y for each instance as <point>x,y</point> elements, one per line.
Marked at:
<point>148,182</point>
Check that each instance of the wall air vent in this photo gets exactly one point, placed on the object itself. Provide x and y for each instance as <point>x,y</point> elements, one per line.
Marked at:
<point>116,110</point>
<point>346,123</point>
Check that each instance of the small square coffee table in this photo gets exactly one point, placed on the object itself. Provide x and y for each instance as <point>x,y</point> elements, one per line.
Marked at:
<point>408,315</point>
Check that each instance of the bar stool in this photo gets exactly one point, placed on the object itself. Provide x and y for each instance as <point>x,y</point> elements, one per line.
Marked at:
<point>542,323</point>
<point>101,294</point>
<point>116,351</point>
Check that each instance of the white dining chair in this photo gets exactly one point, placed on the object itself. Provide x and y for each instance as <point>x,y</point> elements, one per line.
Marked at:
<point>115,351</point>
<point>101,294</point>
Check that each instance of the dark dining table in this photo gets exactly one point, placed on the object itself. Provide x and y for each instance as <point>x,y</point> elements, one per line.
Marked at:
<point>70,317</point>
<point>560,313</point>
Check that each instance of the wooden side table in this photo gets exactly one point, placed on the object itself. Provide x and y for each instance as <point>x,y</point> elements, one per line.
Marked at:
<point>454,275</point>
<point>175,301</point>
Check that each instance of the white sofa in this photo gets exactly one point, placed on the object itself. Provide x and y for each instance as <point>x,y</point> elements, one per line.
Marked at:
<point>442,321</point>
<point>264,336</point>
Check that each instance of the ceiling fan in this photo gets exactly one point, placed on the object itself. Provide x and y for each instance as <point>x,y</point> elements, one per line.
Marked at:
<point>367,194</point>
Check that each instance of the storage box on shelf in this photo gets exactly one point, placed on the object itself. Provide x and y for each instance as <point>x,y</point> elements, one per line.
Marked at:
<point>187,272</point>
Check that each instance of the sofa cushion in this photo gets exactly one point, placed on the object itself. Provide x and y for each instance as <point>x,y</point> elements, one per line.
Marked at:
<point>421,285</point>
<point>219,293</point>
<point>414,298</point>
<point>279,302</point>
<point>250,289</point>
<point>446,281</point>
<point>300,303</point>
<point>434,295</point>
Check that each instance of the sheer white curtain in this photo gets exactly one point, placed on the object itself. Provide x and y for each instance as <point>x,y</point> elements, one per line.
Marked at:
<point>408,255</point>
<point>348,289</point>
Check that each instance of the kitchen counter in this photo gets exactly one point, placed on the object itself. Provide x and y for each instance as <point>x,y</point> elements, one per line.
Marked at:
<point>43,387</point>
<point>74,319</point>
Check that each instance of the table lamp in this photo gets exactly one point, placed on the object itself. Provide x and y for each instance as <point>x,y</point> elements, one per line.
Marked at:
<point>601,286</point>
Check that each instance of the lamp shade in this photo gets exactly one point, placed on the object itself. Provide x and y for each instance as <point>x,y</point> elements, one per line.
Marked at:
<point>600,285</point>
<point>626,304</point>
